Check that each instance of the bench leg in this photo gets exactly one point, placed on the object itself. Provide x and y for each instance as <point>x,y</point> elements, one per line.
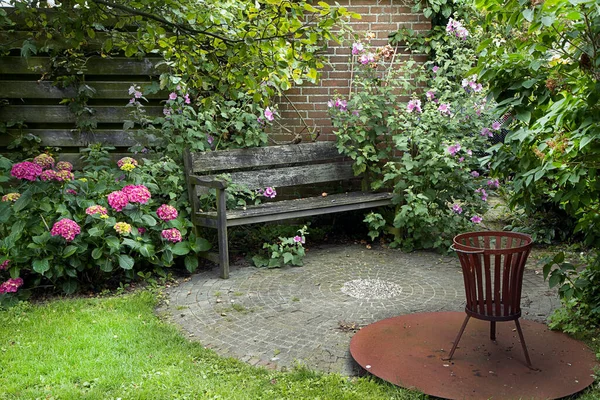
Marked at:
<point>222,233</point>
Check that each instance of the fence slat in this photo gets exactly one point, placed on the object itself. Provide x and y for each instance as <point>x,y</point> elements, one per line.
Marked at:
<point>47,90</point>
<point>72,138</point>
<point>61,114</point>
<point>11,65</point>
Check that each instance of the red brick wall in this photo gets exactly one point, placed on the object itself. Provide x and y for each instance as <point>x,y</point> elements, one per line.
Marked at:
<point>380,18</point>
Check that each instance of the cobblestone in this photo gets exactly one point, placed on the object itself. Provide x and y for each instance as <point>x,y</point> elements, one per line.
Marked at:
<point>280,317</point>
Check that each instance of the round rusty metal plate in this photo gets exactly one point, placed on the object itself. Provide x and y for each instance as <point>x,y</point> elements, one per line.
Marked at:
<point>408,351</point>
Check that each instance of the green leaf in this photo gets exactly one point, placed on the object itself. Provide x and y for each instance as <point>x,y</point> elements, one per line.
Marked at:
<point>191,263</point>
<point>181,249</point>
<point>5,212</point>
<point>125,261</point>
<point>97,253</point>
<point>41,266</point>
<point>113,242</point>
<point>23,201</point>
<point>70,286</point>
<point>93,232</point>
<point>134,244</point>
<point>554,280</point>
<point>201,245</point>
<point>106,265</point>
<point>528,14</point>
<point>69,251</point>
<point>148,220</point>
<point>287,257</point>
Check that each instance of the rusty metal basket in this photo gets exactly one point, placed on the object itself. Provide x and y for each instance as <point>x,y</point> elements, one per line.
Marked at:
<point>493,264</point>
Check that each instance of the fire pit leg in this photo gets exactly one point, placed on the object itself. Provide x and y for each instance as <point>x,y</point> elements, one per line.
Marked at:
<point>522,338</point>
<point>493,330</point>
<point>460,333</point>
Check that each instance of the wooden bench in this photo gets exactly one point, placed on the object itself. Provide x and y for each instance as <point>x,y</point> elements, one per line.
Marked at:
<point>274,166</point>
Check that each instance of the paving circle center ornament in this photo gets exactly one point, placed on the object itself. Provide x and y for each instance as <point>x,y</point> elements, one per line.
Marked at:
<point>371,289</point>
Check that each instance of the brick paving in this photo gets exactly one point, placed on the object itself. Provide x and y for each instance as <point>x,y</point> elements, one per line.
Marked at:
<point>280,317</point>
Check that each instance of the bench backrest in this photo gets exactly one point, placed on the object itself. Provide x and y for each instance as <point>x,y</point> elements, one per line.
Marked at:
<point>276,166</point>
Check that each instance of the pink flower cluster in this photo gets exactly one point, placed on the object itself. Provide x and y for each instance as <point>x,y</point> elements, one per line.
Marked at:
<point>357,48</point>
<point>166,212</point>
<point>11,285</point>
<point>127,160</point>
<point>172,235</point>
<point>484,195</point>
<point>118,200</point>
<point>137,193</point>
<point>454,149</point>
<point>493,183</point>
<point>91,210</point>
<point>299,239</point>
<point>4,264</point>
<point>414,105</point>
<point>444,109</point>
<point>269,114</point>
<point>457,208</point>
<point>64,166</point>
<point>26,170</point>
<point>457,29</point>
<point>472,84</point>
<point>476,219</point>
<point>269,192</point>
<point>11,197</point>
<point>44,160</point>
<point>366,58</point>
<point>66,228</point>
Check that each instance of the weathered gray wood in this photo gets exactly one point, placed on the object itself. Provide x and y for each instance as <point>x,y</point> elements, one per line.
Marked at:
<point>222,233</point>
<point>292,176</point>
<point>11,65</point>
<point>288,209</point>
<point>47,90</point>
<point>14,40</point>
<point>264,157</point>
<point>61,114</point>
<point>72,138</point>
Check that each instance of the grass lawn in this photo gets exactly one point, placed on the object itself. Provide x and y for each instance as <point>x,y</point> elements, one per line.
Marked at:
<point>116,347</point>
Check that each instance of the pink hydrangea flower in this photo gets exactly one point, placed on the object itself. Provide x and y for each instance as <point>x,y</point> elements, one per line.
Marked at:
<point>11,197</point>
<point>414,105</point>
<point>269,114</point>
<point>118,200</point>
<point>26,170</point>
<point>91,210</point>
<point>166,212</point>
<point>172,235</point>
<point>127,160</point>
<point>141,230</point>
<point>457,208</point>
<point>137,193</point>
<point>44,160</point>
<point>64,166</point>
<point>64,175</point>
<point>11,285</point>
<point>48,175</point>
<point>4,265</point>
<point>67,228</point>
<point>476,219</point>
<point>122,228</point>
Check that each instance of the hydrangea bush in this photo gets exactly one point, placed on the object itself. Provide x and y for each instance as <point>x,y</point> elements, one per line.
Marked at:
<point>67,228</point>
<point>418,130</point>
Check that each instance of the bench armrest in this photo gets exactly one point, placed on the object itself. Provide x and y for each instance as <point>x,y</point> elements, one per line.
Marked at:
<point>208,182</point>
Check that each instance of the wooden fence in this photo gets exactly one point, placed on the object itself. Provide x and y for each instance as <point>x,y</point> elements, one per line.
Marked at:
<point>30,98</point>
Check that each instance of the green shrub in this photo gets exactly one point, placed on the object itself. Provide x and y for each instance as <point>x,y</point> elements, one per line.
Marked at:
<point>67,228</point>
<point>418,130</point>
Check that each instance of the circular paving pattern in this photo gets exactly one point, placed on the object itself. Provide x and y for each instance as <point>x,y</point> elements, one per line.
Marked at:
<point>371,289</point>
<point>277,317</point>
